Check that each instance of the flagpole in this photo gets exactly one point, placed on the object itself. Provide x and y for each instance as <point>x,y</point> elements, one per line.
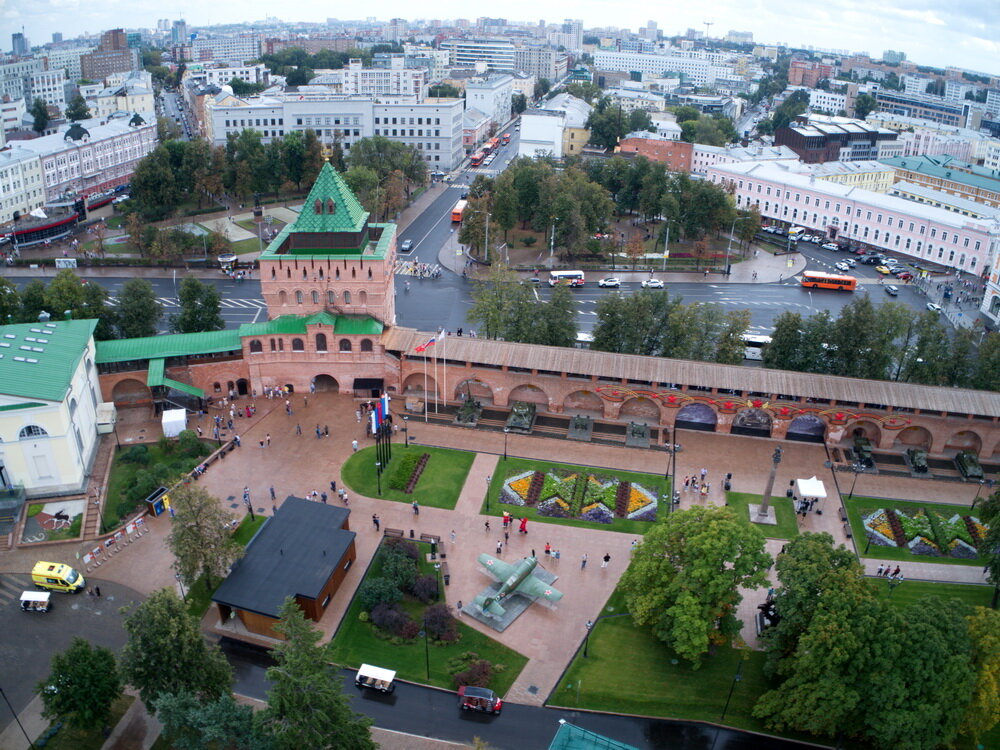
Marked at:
<point>425,387</point>
<point>437,384</point>
<point>444,370</point>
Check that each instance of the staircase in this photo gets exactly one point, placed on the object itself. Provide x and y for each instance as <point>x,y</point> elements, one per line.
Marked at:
<point>96,489</point>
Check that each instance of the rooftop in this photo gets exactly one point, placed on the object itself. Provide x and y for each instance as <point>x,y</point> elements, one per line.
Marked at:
<point>949,168</point>
<point>174,345</point>
<point>50,144</point>
<point>37,360</point>
<point>294,554</point>
<point>922,193</point>
<point>346,325</point>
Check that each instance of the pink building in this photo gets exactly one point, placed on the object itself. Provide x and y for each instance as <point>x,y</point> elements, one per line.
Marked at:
<point>872,220</point>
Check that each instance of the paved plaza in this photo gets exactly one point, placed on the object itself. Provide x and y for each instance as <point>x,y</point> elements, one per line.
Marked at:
<point>299,464</point>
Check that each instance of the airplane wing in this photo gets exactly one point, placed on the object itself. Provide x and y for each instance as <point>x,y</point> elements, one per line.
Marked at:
<point>534,587</point>
<point>498,569</point>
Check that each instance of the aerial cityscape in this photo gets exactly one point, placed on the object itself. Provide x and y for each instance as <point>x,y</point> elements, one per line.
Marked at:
<point>465,381</point>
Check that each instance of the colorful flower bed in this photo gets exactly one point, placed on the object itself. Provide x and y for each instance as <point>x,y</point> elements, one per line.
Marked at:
<point>925,532</point>
<point>588,497</point>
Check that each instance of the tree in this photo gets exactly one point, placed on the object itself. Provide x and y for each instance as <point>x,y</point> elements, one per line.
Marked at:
<point>138,310</point>
<point>68,294</point>
<point>784,351</point>
<point>983,712</point>
<point>864,104</point>
<point>10,303</point>
<point>986,372</point>
<point>32,301</point>
<point>166,653</point>
<point>685,577</point>
<point>729,347</point>
<point>243,88</point>
<point>190,724</point>
<point>77,109</point>
<point>444,90</point>
<point>306,705</point>
<point>199,535</point>
<point>40,111</point>
<point>81,687</point>
<point>557,319</point>
<point>542,87</point>
<point>200,307</point>
<point>518,103</point>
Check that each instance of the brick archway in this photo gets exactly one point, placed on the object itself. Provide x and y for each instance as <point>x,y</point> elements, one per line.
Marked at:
<point>130,392</point>
<point>326,384</point>
<point>867,429</point>
<point>807,428</point>
<point>418,385</point>
<point>583,402</point>
<point>481,391</point>
<point>914,436</point>
<point>640,409</point>
<point>965,440</point>
<point>696,417</point>
<point>530,393</point>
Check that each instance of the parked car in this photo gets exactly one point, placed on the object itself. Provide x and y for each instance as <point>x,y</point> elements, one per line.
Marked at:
<point>652,284</point>
<point>817,238</point>
<point>891,290</point>
<point>934,307</point>
<point>882,270</point>
<point>904,276</point>
<point>806,238</point>
<point>851,263</point>
<point>610,282</point>
<point>406,247</point>
<point>375,678</point>
<point>871,260</point>
<point>472,698</point>
<point>843,267</point>
<point>830,246</point>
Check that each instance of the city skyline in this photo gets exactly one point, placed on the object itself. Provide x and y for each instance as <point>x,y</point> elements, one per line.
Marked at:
<point>959,34</point>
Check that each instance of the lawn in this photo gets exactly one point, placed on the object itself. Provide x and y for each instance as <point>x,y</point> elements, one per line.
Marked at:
<point>249,245</point>
<point>198,597</point>
<point>629,671</point>
<point>439,484</point>
<point>356,643</point>
<point>123,475</point>
<point>787,527</point>
<point>78,739</point>
<point>909,592</point>
<point>513,466</point>
<point>857,505</point>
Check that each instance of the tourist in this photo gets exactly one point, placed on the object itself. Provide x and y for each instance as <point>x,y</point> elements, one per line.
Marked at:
<point>606,559</point>
<point>524,525</point>
<point>416,508</point>
<point>583,561</point>
<point>499,547</point>
<point>375,521</point>
<point>548,548</point>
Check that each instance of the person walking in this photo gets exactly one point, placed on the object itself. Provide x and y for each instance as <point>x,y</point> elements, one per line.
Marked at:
<point>354,445</point>
<point>506,537</point>
<point>319,432</point>
<point>548,548</point>
<point>499,547</point>
<point>375,521</point>
<point>333,485</point>
<point>606,559</point>
<point>298,429</point>
<point>895,573</point>
<point>879,571</point>
<point>267,440</point>
<point>416,508</point>
<point>274,497</point>
<point>323,496</point>
<point>524,525</point>
<point>452,536</point>
<point>97,591</point>
<point>458,607</point>
<point>486,526</point>
<point>583,561</point>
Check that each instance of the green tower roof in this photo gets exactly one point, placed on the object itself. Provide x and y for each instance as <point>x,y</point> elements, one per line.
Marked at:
<point>331,206</point>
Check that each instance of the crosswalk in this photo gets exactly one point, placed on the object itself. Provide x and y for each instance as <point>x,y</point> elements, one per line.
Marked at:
<point>232,304</point>
<point>11,587</point>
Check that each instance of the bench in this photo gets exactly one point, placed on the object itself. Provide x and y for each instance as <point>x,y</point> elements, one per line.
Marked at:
<point>843,515</point>
<point>430,538</point>
<point>394,532</point>
<point>445,574</point>
<point>847,530</point>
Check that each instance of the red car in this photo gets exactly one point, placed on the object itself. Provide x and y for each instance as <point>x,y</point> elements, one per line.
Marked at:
<point>472,698</point>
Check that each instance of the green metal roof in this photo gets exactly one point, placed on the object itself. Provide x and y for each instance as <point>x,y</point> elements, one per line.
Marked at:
<point>348,325</point>
<point>155,374</point>
<point>23,405</point>
<point>949,168</point>
<point>339,210</point>
<point>37,360</point>
<point>174,345</point>
<point>178,386</point>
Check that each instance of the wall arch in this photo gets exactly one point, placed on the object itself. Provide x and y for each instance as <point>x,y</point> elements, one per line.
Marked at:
<point>808,428</point>
<point>321,342</point>
<point>866,429</point>
<point>413,385</point>
<point>586,402</point>
<point>530,393</point>
<point>326,383</point>
<point>965,440</point>
<point>755,422</point>
<point>696,416</point>
<point>256,347</point>
<point>298,345</point>
<point>345,345</point>
<point>282,297</point>
<point>480,390</point>
<point>366,345</point>
<point>129,392</point>
<point>640,409</point>
<point>913,436</point>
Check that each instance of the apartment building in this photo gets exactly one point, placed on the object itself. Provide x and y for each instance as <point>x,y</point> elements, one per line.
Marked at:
<point>22,186</point>
<point>676,154</point>
<point>113,55</point>
<point>235,49</point>
<point>704,157</point>
<point>920,137</point>
<point>495,54</point>
<point>873,220</point>
<point>491,96</point>
<point>822,138</point>
<point>698,67</point>
<point>220,74</point>
<point>950,176</point>
<point>395,80</point>
<point>808,73</point>
<point>962,114</point>
<point>541,61</point>
<point>66,59</point>
<point>941,199</point>
<point>558,128</point>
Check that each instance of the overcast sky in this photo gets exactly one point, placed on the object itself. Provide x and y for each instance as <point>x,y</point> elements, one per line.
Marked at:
<point>965,33</point>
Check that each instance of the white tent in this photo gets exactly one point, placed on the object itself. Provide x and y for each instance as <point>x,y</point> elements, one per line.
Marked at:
<point>174,421</point>
<point>811,487</point>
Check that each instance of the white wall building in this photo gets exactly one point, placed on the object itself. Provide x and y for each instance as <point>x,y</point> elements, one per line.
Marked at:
<point>220,74</point>
<point>698,67</point>
<point>827,101</point>
<point>491,96</point>
<point>12,113</point>
<point>49,394</point>
<point>236,49</point>
<point>704,157</point>
<point>22,187</point>
<point>496,54</point>
<point>68,60</point>
<point>541,133</point>
<point>393,81</point>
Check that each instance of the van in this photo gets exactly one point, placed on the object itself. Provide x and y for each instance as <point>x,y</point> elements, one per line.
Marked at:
<point>35,601</point>
<point>57,577</point>
<point>375,678</point>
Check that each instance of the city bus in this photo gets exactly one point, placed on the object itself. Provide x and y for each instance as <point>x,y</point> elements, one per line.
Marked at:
<point>505,138</point>
<point>795,232</point>
<point>458,210</point>
<point>753,346</point>
<point>477,158</point>
<point>820,280</point>
<point>570,278</point>
<point>493,145</point>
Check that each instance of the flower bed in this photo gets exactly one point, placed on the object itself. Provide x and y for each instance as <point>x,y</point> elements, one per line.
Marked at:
<point>925,532</point>
<point>588,497</point>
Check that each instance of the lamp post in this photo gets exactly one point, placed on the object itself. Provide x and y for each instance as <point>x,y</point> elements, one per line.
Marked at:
<point>988,483</point>
<point>378,476</point>
<point>180,582</point>
<point>489,481</point>
<point>406,431</point>
<point>506,433</point>
<point>586,638</point>
<point>729,246</point>
<point>671,473</point>
<point>427,654</point>
<point>858,469</point>
<point>18,720</point>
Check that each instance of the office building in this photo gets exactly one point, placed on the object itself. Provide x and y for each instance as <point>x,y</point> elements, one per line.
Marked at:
<point>494,54</point>
<point>558,128</point>
<point>67,59</point>
<point>112,55</point>
<point>541,62</point>
<point>22,187</point>
<point>491,96</point>
<point>950,176</point>
<point>20,45</point>
<point>392,81</point>
<point>822,138</point>
<point>964,114</point>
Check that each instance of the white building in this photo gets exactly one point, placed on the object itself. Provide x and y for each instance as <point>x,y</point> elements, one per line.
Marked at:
<point>696,66</point>
<point>921,137</point>
<point>49,85</point>
<point>941,199</point>
<point>495,54</point>
<point>125,92</point>
<point>22,187</point>
<point>49,396</point>
<point>12,113</point>
<point>704,157</point>
<point>220,74</point>
<point>236,49</point>
<point>67,60</point>
<point>827,101</point>
<point>632,100</point>
<point>556,129</point>
<point>491,96</point>
<point>392,81</point>
<point>15,77</point>
<point>91,156</point>
<point>666,126</point>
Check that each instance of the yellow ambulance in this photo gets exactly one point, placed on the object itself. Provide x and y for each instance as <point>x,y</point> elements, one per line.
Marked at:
<point>57,577</point>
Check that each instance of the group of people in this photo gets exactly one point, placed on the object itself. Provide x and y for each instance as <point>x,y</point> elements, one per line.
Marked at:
<point>886,571</point>
<point>694,484</point>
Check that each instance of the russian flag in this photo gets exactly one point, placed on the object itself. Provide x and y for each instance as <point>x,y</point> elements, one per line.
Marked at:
<point>430,342</point>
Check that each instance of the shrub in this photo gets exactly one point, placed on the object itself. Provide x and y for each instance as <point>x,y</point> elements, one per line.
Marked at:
<point>190,445</point>
<point>143,485</point>
<point>364,616</point>
<point>479,673</point>
<point>425,588</point>
<point>387,617</point>
<point>399,569</point>
<point>378,591</point>
<point>400,476</point>
<point>410,630</point>
<point>439,623</point>
<point>137,454</point>
<point>403,547</point>
<point>166,445</point>
<point>529,240</point>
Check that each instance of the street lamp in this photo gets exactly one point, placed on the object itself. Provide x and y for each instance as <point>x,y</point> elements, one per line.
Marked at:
<point>17,719</point>
<point>506,432</point>
<point>729,246</point>
<point>427,654</point>
<point>671,473</point>
<point>489,481</point>
<point>858,470</point>
<point>988,483</point>
<point>378,476</point>
<point>586,638</point>
<point>180,582</point>
<point>763,511</point>
<point>406,431</point>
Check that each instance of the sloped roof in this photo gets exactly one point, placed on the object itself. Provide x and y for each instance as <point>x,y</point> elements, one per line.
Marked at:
<point>290,324</point>
<point>347,214</point>
<point>175,345</point>
<point>37,360</point>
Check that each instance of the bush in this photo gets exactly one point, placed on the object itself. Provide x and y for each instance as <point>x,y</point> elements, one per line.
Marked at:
<point>137,454</point>
<point>166,445</point>
<point>479,673</point>
<point>410,630</point>
<point>399,569</point>
<point>425,588</point>
<point>389,618</point>
<point>401,474</point>
<point>376,591</point>
<point>143,485</point>
<point>190,445</point>
<point>402,547</point>
<point>529,240</point>
<point>439,623</point>
<point>364,616</point>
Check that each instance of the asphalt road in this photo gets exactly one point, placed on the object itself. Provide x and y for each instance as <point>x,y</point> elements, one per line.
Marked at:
<point>435,713</point>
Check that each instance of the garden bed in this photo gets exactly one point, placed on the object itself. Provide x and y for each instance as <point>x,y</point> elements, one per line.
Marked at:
<point>577,495</point>
<point>439,485</point>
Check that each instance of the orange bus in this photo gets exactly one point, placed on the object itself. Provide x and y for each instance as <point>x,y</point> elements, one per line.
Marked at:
<point>819,280</point>
<point>458,210</point>
<point>477,158</point>
<point>505,139</point>
<point>493,144</point>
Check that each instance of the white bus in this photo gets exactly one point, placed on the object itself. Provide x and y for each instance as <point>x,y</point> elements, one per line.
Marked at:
<point>571,278</point>
<point>753,346</point>
<point>795,232</point>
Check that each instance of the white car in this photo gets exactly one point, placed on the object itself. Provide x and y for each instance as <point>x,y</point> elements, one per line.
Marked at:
<point>934,307</point>
<point>830,246</point>
<point>842,267</point>
<point>816,239</point>
<point>652,284</point>
<point>851,263</point>
<point>806,238</point>
<point>611,282</point>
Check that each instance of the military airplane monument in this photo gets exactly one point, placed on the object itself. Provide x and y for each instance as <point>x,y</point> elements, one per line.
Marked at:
<point>514,589</point>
